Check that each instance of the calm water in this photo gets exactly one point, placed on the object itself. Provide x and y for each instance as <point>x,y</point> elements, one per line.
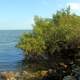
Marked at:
<point>10,56</point>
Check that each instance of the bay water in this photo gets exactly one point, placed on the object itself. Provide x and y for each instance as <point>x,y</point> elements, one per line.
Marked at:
<point>10,56</point>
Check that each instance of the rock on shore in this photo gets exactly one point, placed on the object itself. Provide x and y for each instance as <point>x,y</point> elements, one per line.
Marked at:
<point>24,75</point>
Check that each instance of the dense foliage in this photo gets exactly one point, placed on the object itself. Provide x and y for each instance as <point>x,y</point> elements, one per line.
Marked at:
<point>58,36</point>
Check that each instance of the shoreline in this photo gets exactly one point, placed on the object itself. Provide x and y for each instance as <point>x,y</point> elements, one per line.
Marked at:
<point>28,74</point>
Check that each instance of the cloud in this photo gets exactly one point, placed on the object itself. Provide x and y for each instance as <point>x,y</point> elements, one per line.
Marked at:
<point>74,6</point>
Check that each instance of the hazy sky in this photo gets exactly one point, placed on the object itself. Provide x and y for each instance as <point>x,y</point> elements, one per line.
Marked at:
<point>19,14</point>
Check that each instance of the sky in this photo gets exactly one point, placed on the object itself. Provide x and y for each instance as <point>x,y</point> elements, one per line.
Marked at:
<point>19,14</point>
